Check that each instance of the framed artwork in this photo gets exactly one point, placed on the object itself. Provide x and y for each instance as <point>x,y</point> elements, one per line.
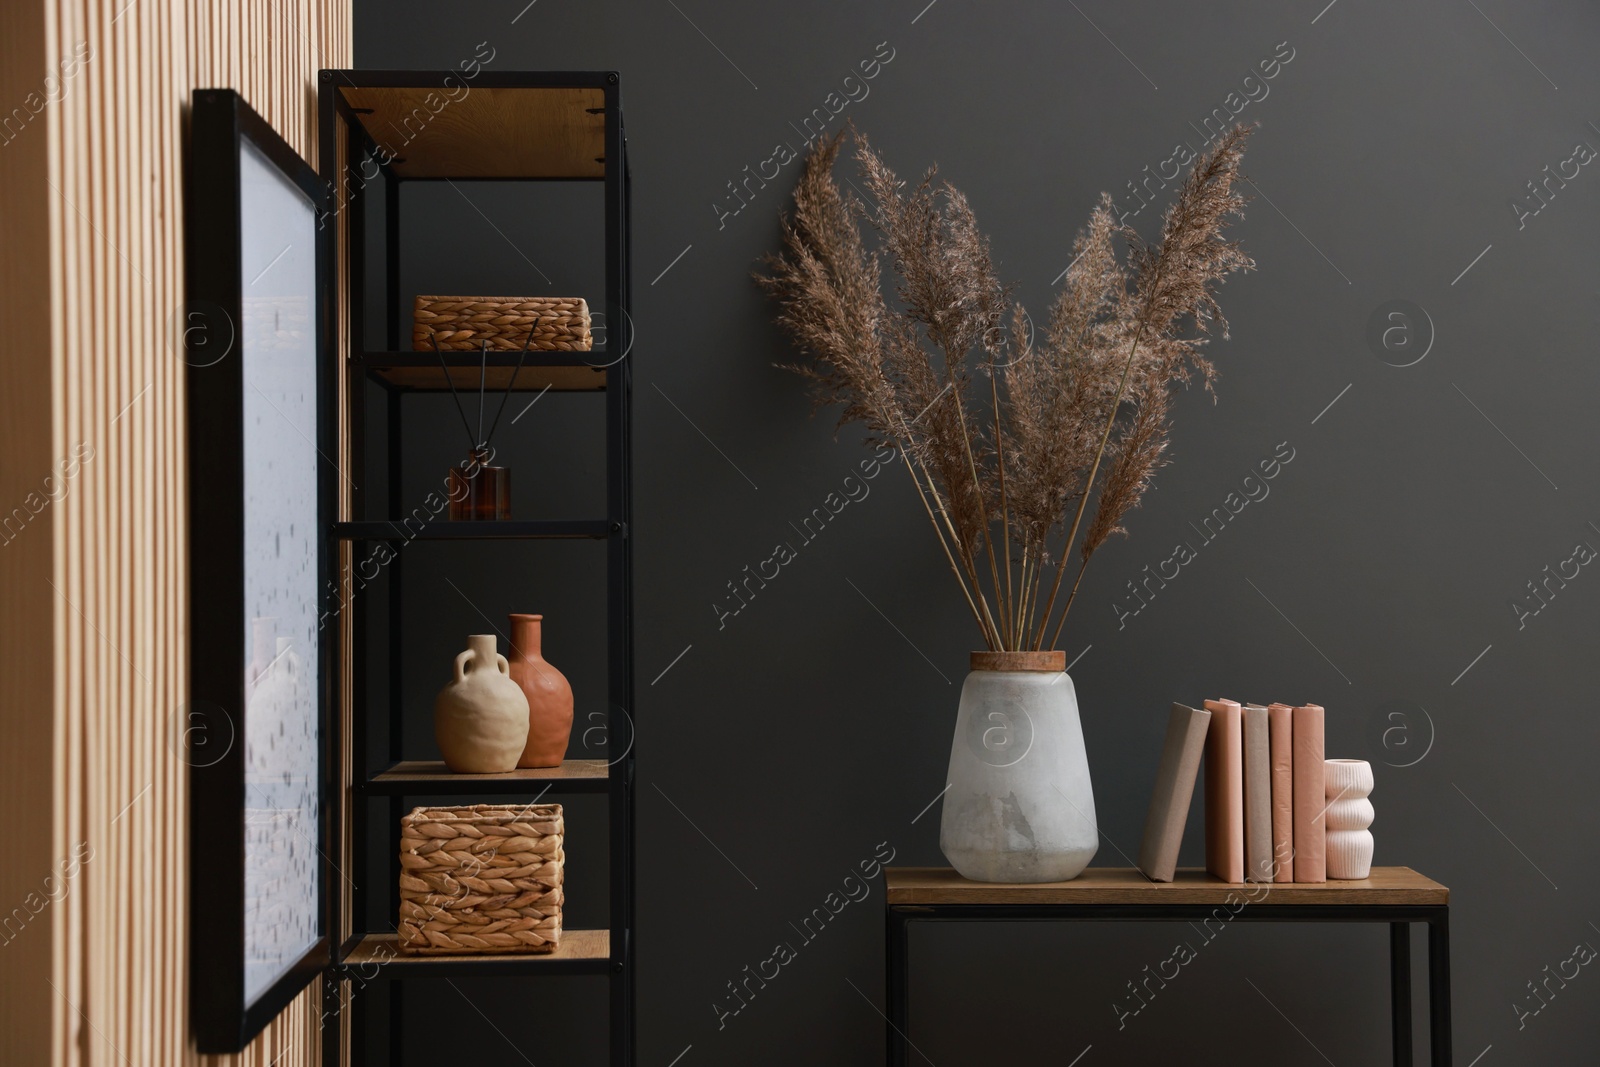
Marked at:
<point>259,723</point>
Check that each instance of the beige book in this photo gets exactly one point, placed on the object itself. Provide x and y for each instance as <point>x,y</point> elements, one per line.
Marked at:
<point>1173,792</point>
<point>1257,795</point>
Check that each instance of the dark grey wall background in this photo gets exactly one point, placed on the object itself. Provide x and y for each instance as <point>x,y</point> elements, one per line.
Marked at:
<point>1377,578</point>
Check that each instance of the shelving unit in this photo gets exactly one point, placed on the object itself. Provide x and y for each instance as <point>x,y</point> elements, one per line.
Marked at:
<point>526,127</point>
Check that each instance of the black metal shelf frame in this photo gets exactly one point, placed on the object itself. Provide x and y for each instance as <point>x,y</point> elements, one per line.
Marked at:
<point>371,788</point>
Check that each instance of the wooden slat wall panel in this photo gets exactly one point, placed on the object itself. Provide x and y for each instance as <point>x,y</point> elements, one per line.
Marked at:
<point>93,588</point>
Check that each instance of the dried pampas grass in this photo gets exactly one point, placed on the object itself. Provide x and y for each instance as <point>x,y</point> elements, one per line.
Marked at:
<point>1076,410</point>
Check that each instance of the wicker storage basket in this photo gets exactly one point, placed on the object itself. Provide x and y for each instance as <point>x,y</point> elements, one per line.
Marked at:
<point>559,323</point>
<point>479,879</point>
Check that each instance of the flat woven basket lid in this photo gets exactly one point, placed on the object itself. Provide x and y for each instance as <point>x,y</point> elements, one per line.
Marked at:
<point>544,817</point>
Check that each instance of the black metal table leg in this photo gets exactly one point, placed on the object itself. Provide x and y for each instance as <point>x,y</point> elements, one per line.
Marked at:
<point>896,965</point>
<point>1400,991</point>
<point>1439,988</point>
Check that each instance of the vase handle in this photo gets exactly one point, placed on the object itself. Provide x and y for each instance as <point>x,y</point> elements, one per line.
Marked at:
<point>502,665</point>
<point>461,665</point>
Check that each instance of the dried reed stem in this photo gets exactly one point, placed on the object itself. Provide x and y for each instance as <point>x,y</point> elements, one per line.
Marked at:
<point>965,592</point>
<point>1082,413</point>
<point>1083,501</point>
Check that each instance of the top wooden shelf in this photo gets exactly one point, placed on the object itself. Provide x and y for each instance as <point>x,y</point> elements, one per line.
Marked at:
<point>477,130</point>
<point>1126,885</point>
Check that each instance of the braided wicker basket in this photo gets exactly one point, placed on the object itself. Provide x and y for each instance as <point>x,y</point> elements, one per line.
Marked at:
<point>480,879</point>
<point>559,323</point>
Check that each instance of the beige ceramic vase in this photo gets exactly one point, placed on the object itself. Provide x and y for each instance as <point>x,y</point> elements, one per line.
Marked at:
<point>480,719</point>
<point>549,696</point>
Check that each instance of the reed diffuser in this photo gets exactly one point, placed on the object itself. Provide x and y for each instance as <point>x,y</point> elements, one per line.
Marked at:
<point>478,490</point>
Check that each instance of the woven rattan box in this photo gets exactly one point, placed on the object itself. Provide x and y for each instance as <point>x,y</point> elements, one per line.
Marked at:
<point>483,878</point>
<point>464,323</point>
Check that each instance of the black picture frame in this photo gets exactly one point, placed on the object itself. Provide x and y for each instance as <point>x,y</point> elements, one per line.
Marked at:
<point>225,1018</point>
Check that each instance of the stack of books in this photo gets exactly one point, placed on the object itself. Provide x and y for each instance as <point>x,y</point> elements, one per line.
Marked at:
<point>1264,787</point>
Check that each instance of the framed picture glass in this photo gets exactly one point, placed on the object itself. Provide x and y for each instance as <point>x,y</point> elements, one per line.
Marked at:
<point>257,725</point>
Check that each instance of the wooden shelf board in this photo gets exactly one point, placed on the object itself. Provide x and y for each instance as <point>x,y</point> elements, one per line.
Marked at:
<point>443,529</point>
<point>433,778</point>
<point>1126,885</point>
<point>497,380</point>
<point>489,132</point>
<point>470,359</point>
<point>579,950</point>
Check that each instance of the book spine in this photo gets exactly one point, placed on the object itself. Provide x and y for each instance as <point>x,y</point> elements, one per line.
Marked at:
<point>1280,730</point>
<point>1310,796</point>
<point>1173,792</point>
<point>1225,792</point>
<point>1257,796</point>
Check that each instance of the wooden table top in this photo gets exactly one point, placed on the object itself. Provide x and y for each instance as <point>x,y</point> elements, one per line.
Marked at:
<point>1126,885</point>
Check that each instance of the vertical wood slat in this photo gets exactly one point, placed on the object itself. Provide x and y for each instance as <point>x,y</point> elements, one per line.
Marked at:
<point>93,587</point>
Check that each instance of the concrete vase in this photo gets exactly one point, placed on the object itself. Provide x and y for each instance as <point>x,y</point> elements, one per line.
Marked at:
<point>1020,806</point>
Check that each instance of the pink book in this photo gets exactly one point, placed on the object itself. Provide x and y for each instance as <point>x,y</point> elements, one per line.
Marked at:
<point>1225,791</point>
<point>1280,735</point>
<point>1310,799</point>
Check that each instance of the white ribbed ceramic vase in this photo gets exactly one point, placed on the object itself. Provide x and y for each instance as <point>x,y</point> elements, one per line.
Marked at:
<point>1349,782</point>
<point>1019,807</point>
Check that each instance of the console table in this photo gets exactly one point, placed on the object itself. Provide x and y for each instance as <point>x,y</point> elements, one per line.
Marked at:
<point>1398,896</point>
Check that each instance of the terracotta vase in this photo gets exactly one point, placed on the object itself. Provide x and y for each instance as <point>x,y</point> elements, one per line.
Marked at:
<point>480,719</point>
<point>549,696</point>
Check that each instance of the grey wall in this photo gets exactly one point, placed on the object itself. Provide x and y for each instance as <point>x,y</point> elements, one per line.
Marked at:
<point>1377,578</point>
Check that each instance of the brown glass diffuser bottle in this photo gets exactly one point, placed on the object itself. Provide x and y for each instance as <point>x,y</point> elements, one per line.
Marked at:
<point>479,491</point>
